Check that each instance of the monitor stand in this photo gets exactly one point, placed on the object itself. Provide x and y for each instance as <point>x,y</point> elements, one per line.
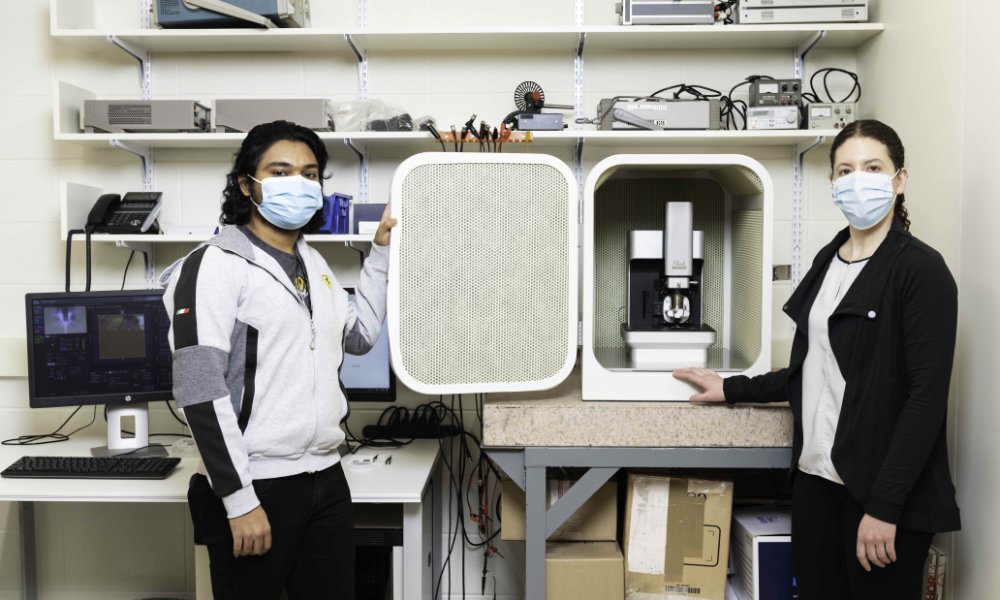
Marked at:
<point>132,446</point>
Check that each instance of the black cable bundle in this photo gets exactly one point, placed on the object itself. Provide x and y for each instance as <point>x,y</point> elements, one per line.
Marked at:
<point>470,452</point>
<point>698,92</point>
<point>34,439</point>
<point>69,251</point>
<point>397,423</point>
<point>826,72</point>
<point>726,6</point>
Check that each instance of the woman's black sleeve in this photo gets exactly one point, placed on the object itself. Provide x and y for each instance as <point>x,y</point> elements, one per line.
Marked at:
<point>928,303</point>
<point>769,387</point>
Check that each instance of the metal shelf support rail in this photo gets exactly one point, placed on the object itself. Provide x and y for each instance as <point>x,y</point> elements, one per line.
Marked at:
<point>578,109</point>
<point>797,175</point>
<point>362,56</point>
<point>362,170</point>
<point>145,12</point>
<point>144,153</point>
<point>798,202</point>
<point>578,172</point>
<point>362,16</point>
<point>527,467</point>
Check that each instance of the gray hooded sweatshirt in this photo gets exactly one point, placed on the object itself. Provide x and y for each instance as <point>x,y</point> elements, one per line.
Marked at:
<point>257,375</point>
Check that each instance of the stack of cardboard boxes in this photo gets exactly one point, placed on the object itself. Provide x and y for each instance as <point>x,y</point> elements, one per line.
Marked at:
<point>676,540</point>
<point>582,558</point>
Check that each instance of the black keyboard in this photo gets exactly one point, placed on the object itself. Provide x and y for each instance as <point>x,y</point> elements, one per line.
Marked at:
<point>91,467</point>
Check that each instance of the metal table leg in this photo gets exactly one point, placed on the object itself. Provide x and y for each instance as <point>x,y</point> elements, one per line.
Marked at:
<point>437,502</point>
<point>534,538</point>
<point>29,567</point>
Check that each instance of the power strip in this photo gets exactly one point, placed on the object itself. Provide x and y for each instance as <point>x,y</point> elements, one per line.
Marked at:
<point>408,431</point>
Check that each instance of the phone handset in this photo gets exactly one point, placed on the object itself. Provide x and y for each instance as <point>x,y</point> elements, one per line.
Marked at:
<point>104,206</point>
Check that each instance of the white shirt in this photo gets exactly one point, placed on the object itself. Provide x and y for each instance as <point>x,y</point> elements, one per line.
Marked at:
<point>822,382</point>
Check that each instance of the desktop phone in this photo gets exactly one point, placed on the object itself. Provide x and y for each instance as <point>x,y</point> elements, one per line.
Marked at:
<point>136,212</point>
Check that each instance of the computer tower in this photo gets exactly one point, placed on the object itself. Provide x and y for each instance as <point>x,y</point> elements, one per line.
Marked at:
<point>378,540</point>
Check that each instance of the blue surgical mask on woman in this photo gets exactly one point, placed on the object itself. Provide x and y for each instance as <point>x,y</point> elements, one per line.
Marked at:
<point>864,198</point>
<point>289,202</point>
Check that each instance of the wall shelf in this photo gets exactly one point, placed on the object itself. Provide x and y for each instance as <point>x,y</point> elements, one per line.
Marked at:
<point>543,140</point>
<point>519,39</point>
<point>198,238</point>
<point>75,200</point>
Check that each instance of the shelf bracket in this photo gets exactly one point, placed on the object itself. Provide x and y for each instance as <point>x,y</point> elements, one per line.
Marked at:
<point>145,58</point>
<point>578,108</point>
<point>798,201</point>
<point>362,57</point>
<point>801,51</point>
<point>362,170</point>
<point>145,154</point>
<point>148,251</point>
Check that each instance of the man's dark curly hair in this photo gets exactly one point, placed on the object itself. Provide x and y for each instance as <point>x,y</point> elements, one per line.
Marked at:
<point>236,208</point>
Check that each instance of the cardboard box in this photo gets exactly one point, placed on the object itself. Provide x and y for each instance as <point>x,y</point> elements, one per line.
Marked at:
<point>584,571</point>
<point>762,553</point>
<point>595,521</point>
<point>677,537</point>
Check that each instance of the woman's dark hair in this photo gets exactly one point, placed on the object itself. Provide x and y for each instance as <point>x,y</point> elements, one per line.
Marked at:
<point>236,207</point>
<point>881,132</point>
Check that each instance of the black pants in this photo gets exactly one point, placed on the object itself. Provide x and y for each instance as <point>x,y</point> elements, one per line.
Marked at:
<point>825,521</point>
<point>312,539</point>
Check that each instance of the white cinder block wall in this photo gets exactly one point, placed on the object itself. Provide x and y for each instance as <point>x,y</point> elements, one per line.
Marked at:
<point>977,447</point>
<point>123,551</point>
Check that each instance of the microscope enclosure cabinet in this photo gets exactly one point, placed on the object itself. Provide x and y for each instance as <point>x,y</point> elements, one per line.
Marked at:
<point>486,289</point>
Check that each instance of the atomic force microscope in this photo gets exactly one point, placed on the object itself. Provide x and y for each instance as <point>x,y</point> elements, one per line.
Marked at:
<point>665,328</point>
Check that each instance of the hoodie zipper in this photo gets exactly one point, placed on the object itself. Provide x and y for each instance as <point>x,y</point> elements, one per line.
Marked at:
<point>312,327</point>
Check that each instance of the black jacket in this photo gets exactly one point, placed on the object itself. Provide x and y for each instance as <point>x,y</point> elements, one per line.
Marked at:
<point>893,336</point>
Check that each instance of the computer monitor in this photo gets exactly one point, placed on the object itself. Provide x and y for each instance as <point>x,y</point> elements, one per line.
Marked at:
<point>100,348</point>
<point>369,377</point>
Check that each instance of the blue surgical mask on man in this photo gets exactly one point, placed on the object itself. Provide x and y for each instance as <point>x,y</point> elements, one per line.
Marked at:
<point>289,202</point>
<point>864,198</point>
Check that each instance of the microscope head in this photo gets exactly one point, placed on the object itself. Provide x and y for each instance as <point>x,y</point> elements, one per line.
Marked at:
<point>676,308</point>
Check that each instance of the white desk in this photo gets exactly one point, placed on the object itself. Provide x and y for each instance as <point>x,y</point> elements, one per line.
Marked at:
<point>408,481</point>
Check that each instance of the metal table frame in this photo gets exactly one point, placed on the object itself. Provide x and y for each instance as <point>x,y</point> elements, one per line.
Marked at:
<point>527,467</point>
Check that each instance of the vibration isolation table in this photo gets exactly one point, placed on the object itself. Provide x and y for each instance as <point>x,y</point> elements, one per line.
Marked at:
<point>527,433</point>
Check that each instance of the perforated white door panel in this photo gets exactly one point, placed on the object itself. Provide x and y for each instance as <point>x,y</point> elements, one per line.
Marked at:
<point>483,273</point>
